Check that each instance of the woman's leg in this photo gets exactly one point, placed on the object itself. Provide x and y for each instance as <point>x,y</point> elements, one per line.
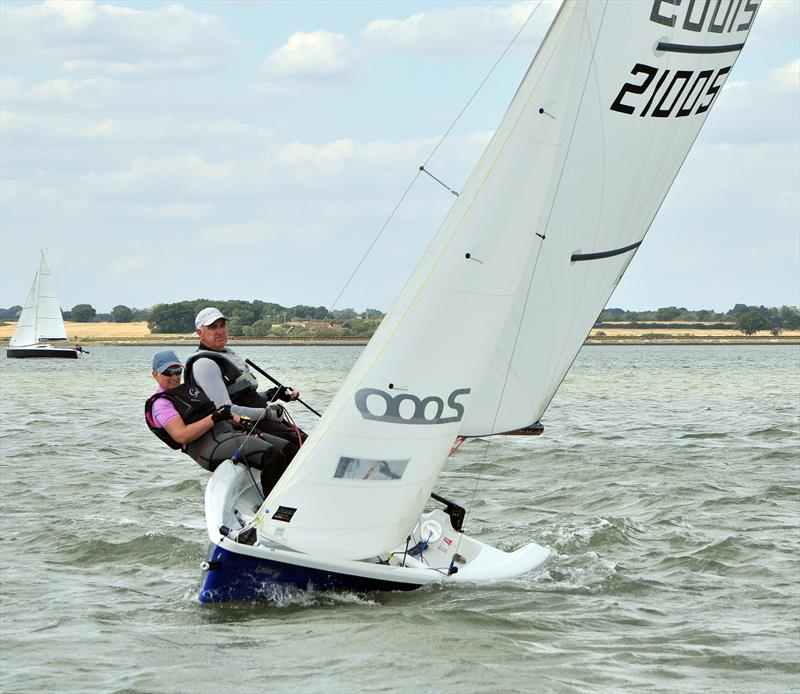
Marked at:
<point>259,452</point>
<point>294,437</point>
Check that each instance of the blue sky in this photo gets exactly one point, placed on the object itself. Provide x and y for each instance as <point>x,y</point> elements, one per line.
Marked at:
<point>249,150</point>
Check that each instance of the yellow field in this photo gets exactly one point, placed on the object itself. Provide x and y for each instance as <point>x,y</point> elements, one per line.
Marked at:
<point>110,331</point>
<point>674,332</point>
<point>699,333</point>
<point>113,332</point>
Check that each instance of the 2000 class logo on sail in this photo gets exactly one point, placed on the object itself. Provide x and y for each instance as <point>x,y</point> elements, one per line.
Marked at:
<point>428,410</point>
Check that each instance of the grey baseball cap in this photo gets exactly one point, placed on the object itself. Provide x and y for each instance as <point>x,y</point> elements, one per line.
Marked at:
<point>163,360</point>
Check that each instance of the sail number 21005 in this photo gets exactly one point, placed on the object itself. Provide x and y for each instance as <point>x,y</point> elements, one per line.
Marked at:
<point>669,93</point>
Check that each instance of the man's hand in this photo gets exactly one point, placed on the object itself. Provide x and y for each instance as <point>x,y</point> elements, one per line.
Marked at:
<point>222,414</point>
<point>275,413</point>
<point>288,394</point>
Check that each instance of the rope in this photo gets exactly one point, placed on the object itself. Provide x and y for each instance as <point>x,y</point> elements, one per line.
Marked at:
<point>253,428</point>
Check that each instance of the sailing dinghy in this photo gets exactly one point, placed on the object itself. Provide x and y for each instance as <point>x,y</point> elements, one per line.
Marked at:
<point>535,243</point>
<point>40,324</point>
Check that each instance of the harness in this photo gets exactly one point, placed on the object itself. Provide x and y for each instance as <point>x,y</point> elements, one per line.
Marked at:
<point>240,382</point>
<point>191,404</point>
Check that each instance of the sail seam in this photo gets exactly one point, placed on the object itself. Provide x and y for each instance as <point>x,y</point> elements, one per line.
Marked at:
<point>533,270</point>
<point>550,212</point>
<point>575,356</point>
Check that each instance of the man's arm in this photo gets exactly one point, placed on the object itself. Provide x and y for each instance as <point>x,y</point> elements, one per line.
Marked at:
<point>208,376</point>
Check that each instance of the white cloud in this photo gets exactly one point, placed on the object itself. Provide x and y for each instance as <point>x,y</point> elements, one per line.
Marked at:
<point>314,160</point>
<point>7,119</point>
<point>787,77</point>
<point>91,157</point>
<point>126,264</point>
<point>25,126</point>
<point>463,29</point>
<point>115,40</point>
<point>178,175</point>
<point>778,17</point>
<point>191,175</point>
<point>256,233</point>
<point>57,92</point>
<point>315,55</point>
<point>177,211</point>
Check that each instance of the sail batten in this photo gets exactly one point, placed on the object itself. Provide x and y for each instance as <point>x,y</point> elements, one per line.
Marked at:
<point>694,49</point>
<point>579,257</point>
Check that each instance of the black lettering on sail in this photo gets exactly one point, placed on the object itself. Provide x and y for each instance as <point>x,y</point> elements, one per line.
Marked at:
<point>713,89</point>
<point>705,75</point>
<point>688,24</point>
<point>639,68</point>
<point>661,112</point>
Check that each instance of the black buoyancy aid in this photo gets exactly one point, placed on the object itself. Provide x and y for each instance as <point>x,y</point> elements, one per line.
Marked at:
<point>241,383</point>
<point>190,402</point>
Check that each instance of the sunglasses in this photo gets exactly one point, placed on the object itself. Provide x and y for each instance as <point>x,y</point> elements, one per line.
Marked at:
<point>172,371</point>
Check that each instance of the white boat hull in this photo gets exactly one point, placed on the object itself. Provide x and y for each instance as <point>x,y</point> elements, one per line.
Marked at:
<point>238,571</point>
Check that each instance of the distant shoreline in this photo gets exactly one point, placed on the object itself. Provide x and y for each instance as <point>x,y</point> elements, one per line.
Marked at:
<point>591,342</point>
<point>138,334</point>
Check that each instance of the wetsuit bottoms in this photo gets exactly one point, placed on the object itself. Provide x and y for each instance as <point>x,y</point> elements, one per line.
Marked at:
<point>291,436</point>
<point>264,452</point>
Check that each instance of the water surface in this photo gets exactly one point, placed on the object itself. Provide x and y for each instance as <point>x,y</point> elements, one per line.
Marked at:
<point>667,485</point>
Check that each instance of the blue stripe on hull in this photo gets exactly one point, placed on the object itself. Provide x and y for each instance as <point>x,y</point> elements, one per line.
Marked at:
<point>236,576</point>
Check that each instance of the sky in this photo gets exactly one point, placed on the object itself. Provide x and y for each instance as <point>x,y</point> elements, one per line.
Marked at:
<point>164,151</point>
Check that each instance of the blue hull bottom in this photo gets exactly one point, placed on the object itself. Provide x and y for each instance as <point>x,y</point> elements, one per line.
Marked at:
<point>231,576</point>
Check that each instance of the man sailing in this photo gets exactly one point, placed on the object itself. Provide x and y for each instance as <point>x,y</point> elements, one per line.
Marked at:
<point>226,380</point>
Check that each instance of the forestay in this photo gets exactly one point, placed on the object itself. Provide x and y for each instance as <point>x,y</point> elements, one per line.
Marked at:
<point>489,322</point>
<point>41,316</point>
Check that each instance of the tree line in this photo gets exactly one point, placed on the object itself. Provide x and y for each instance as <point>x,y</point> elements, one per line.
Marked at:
<point>86,313</point>
<point>747,319</point>
<point>262,318</point>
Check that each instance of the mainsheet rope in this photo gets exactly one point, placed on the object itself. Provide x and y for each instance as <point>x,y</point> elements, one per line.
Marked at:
<point>236,456</point>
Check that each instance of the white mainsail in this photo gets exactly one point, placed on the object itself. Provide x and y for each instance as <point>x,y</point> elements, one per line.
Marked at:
<point>489,322</point>
<point>40,319</point>
<point>648,91</point>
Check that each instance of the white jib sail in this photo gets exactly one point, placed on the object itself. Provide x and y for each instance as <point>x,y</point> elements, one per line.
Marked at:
<point>41,316</point>
<point>358,485</point>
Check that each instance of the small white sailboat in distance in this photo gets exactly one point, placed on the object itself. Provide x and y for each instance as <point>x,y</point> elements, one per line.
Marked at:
<point>489,323</point>
<point>40,324</point>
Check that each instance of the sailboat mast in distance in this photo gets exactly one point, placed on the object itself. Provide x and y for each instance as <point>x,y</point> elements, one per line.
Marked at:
<point>40,324</point>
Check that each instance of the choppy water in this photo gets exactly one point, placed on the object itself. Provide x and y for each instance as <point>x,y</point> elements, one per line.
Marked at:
<point>667,483</point>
